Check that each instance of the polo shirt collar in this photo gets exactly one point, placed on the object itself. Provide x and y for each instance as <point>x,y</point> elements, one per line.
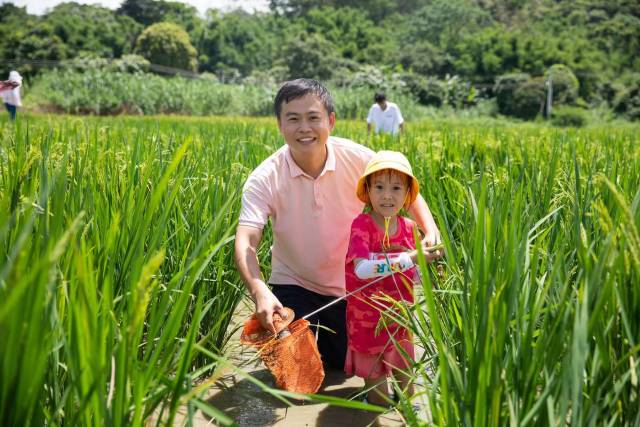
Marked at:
<point>329,165</point>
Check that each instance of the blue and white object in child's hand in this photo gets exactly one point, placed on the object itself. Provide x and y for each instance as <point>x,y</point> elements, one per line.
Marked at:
<point>368,269</point>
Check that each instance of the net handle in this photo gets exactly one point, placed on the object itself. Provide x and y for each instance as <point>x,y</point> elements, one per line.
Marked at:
<point>349,294</point>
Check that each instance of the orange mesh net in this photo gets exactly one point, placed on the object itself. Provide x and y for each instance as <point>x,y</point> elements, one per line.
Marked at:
<point>293,360</point>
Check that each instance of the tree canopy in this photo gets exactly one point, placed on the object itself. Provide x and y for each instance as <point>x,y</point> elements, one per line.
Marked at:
<point>477,40</point>
<point>167,44</point>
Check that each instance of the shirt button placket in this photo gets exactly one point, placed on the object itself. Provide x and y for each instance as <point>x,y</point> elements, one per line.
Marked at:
<point>317,206</point>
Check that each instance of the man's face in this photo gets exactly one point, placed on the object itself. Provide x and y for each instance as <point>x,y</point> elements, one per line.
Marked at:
<point>383,105</point>
<point>305,125</point>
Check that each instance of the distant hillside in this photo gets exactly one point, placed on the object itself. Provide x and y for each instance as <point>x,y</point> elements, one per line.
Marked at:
<point>479,41</point>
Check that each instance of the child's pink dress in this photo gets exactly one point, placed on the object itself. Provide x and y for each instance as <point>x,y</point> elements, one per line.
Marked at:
<point>371,355</point>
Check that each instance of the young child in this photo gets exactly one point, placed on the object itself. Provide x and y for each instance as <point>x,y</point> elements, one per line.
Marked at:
<point>381,242</point>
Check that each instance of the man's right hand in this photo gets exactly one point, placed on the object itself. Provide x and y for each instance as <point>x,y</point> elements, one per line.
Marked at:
<point>266,305</point>
<point>247,240</point>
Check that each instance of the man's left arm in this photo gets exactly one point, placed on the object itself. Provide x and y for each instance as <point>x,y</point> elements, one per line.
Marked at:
<point>420,212</point>
<point>369,120</point>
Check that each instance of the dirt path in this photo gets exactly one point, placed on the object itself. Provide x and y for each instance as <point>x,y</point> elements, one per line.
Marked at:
<point>248,405</point>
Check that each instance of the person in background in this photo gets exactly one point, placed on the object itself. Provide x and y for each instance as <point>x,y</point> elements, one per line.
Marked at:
<point>305,190</point>
<point>10,93</point>
<point>385,116</point>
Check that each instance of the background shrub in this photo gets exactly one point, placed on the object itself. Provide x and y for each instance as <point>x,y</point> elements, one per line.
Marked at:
<point>529,98</point>
<point>627,100</point>
<point>520,96</point>
<point>427,91</point>
<point>312,57</point>
<point>167,44</point>
<point>568,117</point>
<point>125,64</point>
<point>505,88</point>
<point>565,84</point>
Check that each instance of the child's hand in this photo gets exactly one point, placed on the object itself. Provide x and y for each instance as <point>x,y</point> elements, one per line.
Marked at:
<point>432,248</point>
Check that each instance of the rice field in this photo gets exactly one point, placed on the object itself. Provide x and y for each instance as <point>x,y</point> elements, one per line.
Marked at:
<point>117,282</point>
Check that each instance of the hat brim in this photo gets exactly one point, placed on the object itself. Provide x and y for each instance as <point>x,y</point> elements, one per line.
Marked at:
<point>363,193</point>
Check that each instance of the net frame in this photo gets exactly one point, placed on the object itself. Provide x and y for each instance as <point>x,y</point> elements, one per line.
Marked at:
<point>293,360</point>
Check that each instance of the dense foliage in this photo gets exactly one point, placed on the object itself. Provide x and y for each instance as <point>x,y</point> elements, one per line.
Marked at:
<point>477,41</point>
<point>116,271</point>
<point>88,88</point>
<point>536,321</point>
<point>167,44</point>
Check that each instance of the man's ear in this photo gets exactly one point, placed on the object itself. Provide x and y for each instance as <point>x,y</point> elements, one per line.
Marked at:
<point>332,120</point>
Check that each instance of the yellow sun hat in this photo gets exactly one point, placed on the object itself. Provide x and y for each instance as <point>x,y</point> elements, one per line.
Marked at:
<point>388,160</point>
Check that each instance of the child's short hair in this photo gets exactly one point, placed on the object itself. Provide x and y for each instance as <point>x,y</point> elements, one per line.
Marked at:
<point>388,161</point>
<point>298,88</point>
<point>390,172</point>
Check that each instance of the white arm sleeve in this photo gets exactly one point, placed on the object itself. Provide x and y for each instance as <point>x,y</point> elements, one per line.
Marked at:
<point>368,269</point>
<point>400,118</point>
<point>370,115</point>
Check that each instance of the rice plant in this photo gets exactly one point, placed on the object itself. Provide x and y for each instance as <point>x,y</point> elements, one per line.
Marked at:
<point>117,283</point>
<point>116,262</point>
<point>537,321</point>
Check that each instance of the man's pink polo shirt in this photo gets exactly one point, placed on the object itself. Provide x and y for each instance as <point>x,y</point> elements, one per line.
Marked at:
<point>310,218</point>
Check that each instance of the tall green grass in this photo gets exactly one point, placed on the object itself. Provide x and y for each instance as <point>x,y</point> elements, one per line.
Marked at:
<point>538,319</point>
<point>116,261</point>
<point>117,281</point>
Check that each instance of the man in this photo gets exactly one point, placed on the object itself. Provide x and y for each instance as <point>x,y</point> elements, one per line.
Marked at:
<point>307,188</point>
<point>385,116</point>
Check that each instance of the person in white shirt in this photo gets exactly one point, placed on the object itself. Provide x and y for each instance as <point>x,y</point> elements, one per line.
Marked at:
<point>10,93</point>
<point>385,116</point>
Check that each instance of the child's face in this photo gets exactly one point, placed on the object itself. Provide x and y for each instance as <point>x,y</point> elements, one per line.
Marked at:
<point>387,192</point>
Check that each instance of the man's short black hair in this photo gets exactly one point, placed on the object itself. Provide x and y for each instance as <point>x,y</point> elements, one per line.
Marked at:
<point>379,97</point>
<point>294,89</point>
